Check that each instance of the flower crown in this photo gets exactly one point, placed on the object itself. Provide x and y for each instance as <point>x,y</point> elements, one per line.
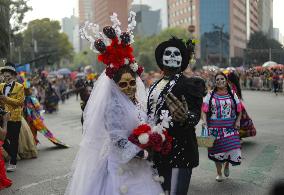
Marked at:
<point>113,45</point>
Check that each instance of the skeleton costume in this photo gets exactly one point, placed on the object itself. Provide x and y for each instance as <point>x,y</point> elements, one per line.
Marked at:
<point>176,168</point>
<point>107,162</point>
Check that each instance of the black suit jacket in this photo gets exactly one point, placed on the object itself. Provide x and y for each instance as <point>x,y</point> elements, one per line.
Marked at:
<point>185,149</point>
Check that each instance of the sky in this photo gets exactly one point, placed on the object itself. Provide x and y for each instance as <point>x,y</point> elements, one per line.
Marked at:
<point>58,9</point>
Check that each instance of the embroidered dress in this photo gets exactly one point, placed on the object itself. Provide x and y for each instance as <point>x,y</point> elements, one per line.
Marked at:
<point>221,125</point>
<point>4,181</point>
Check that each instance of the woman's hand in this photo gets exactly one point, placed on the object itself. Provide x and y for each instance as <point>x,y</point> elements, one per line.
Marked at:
<point>204,124</point>
<point>237,124</point>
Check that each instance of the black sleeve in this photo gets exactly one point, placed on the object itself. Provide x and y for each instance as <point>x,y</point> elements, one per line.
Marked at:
<point>194,90</point>
<point>194,96</point>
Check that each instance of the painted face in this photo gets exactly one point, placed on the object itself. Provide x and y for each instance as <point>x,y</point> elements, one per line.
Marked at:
<point>221,81</point>
<point>127,85</point>
<point>8,77</point>
<point>172,57</point>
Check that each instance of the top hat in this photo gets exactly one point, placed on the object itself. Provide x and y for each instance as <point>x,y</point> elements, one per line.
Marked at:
<point>184,48</point>
<point>9,67</point>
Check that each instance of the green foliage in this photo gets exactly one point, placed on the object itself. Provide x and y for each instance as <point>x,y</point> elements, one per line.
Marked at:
<point>12,13</point>
<point>144,48</point>
<point>258,49</point>
<point>44,36</point>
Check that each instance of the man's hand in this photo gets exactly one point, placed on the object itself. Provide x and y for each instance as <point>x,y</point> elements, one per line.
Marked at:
<point>177,108</point>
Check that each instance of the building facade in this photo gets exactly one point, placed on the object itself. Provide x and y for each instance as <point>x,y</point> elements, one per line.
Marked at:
<point>148,21</point>
<point>266,17</point>
<point>86,9</point>
<point>70,26</point>
<point>223,27</point>
<point>103,9</point>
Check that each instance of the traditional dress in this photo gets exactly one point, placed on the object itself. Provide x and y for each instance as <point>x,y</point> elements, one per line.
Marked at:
<point>27,146</point>
<point>36,122</point>
<point>4,181</point>
<point>221,125</point>
<point>51,100</point>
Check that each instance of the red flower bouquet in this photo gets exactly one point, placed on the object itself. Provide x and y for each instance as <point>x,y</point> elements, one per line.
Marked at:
<point>154,139</point>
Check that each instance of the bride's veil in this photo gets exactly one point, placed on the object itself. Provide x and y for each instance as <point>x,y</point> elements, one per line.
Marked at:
<point>90,165</point>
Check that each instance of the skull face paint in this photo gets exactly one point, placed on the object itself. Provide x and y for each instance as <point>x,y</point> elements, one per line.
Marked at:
<point>172,57</point>
<point>221,82</point>
<point>127,84</point>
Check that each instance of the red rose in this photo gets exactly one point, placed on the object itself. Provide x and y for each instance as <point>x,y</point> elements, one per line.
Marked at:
<point>132,138</point>
<point>141,129</point>
<point>168,137</point>
<point>167,148</point>
<point>156,141</point>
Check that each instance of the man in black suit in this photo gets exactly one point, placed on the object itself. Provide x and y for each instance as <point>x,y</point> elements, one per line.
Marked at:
<point>182,97</point>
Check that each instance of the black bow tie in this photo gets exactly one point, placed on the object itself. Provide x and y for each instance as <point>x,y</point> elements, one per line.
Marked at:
<point>8,85</point>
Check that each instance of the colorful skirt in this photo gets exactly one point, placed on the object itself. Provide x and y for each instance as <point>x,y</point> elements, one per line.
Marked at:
<point>226,147</point>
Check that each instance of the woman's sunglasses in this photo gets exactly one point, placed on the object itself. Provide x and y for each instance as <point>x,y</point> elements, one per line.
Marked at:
<point>125,84</point>
<point>220,79</point>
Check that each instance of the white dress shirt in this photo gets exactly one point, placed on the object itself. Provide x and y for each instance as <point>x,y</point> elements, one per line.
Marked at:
<point>8,88</point>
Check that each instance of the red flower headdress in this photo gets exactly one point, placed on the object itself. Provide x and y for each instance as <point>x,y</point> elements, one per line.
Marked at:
<point>113,45</point>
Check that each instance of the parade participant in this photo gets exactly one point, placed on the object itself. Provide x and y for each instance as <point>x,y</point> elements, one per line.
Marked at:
<point>275,82</point>
<point>32,114</point>
<point>85,93</point>
<point>221,115</point>
<point>4,181</point>
<point>107,162</point>
<point>247,128</point>
<point>51,98</point>
<point>182,96</point>
<point>12,99</point>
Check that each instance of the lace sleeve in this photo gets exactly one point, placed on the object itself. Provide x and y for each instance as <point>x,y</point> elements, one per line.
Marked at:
<point>117,124</point>
<point>125,148</point>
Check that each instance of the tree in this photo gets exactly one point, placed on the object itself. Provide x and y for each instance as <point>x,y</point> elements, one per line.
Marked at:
<point>144,48</point>
<point>260,49</point>
<point>43,39</point>
<point>12,13</point>
<point>87,57</point>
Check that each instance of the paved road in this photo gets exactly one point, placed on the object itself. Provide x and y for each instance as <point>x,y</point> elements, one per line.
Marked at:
<point>262,165</point>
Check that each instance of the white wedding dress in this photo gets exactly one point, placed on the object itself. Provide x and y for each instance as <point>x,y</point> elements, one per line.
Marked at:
<point>106,163</point>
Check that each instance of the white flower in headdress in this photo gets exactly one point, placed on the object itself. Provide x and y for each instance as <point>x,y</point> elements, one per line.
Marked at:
<point>126,61</point>
<point>134,67</point>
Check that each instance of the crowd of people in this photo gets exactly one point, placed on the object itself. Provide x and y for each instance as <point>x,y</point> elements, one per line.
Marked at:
<point>21,119</point>
<point>133,142</point>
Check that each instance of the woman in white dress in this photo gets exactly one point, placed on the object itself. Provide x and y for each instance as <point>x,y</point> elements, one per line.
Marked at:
<point>107,163</point>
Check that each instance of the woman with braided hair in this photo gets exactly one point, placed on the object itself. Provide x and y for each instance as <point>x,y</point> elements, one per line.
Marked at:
<point>221,114</point>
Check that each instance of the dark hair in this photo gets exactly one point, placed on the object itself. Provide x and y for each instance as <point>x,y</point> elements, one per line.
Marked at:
<point>121,71</point>
<point>214,91</point>
<point>234,78</point>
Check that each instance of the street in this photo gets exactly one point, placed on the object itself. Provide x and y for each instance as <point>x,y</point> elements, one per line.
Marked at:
<point>262,163</point>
